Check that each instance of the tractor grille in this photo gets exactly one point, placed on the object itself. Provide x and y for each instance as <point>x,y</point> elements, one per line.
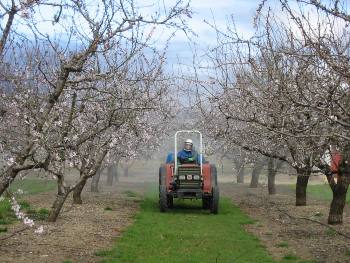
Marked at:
<point>189,170</point>
<point>186,177</point>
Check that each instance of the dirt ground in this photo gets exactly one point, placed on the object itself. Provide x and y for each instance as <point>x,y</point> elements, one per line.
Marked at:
<point>80,231</point>
<point>286,229</point>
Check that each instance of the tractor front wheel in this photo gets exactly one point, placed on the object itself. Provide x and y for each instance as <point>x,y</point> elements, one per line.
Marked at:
<point>206,202</point>
<point>170,201</point>
<point>214,201</point>
<point>163,199</point>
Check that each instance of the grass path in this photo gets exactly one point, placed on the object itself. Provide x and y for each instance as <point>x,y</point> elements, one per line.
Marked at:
<point>188,234</point>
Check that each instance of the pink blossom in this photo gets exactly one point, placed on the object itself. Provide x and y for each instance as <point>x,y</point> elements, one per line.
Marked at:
<point>39,230</point>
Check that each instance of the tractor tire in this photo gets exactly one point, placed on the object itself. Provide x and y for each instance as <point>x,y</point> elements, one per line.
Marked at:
<point>163,198</point>
<point>170,201</point>
<point>206,202</point>
<point>214,175</point>
<point>162,175</point>
<point>214,201</point>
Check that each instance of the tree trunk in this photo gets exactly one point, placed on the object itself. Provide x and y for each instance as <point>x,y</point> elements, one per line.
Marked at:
<point>271,177</point>
<point>271,185</point>
<point>338,202</point>
<point>110,175</point>
<point>6,180</point>
<point>126,170</point>
<point>239,165</point>
<point>94,182</point>
<point>6,32</point>
<point>300,191</point>
<point>116,173</point>
<point>57,206</point>
<point>256,173</point>
<point>60,184</point>
<point>77,191</point>
<point>240,176</point>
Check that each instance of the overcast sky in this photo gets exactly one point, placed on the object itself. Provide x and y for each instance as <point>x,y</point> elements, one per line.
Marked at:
<point>212,11</point>
<point>181,48</point>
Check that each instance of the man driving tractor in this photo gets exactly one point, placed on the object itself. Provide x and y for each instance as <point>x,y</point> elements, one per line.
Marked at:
<point>188,154</point>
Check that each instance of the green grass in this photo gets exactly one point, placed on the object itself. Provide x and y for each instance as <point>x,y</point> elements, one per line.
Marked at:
<point>290,257</point>
<point>331,232</point>
<point>282,244</point>
<point>129,193</point>
<point>6,214</point>
<point>29,186</point>
<point>40,214</point>
<point>24,204</point>
<point>3,229</point>
<point>33,186</point>
<point>187,234</point>
<point>321,192</point>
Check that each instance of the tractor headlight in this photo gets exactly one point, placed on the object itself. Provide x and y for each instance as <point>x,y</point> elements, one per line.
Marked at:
<point>182,177</point>
<point>196,177</point>
<point>189,177</point>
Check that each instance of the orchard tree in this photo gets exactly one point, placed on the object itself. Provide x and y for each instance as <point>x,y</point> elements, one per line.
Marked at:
<point>284,92</point>
<point>40,77</point>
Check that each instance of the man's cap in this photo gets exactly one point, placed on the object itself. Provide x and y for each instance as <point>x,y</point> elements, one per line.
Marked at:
<point>189,141</point>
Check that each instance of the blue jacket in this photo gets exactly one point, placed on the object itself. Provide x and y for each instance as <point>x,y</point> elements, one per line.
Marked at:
<point>170,158</point>
<point>183,155</point>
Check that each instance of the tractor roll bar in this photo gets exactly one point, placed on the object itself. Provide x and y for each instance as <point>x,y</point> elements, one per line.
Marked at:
<point>200,148</point>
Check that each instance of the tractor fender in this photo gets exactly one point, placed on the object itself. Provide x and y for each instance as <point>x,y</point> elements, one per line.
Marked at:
<point>209,177</point>
<point>207,184</point>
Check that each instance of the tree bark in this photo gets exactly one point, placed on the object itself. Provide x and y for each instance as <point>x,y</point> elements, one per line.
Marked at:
<point>85,174</point>
<point>271,177</point>
<point>57,205</point>
<point>256,173</point>
<point>94,182</point>
<point>6,32</point>
<point>110,175</point>
<point>6,180</point>
<point>78,190</point>
<point>116,173</point>
<point>10,174</point>
<point>300,191</point>
<point>126,170</point>
<point>239,166</point>
<point>273,166</point>
<point>240,176</point>
<point>338,203</point>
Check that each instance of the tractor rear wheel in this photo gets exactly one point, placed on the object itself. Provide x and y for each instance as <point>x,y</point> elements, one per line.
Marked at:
<point>214,201</point>
<point>163,199</point>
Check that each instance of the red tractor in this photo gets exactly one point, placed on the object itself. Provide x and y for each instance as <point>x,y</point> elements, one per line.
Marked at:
<point>197,180</point>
